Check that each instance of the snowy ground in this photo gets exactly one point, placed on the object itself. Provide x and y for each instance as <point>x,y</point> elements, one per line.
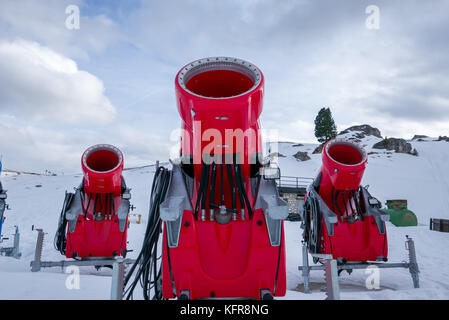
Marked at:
<point>423,180</point>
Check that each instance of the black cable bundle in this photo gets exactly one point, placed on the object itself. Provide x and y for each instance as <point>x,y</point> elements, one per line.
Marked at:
<point>351,197</point>
<point>60,240</point>
<point>145,267</point>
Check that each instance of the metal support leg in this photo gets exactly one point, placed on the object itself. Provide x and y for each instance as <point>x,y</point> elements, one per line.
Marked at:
<point>305,267</point>
<point>16,251</point>
<point>331,274</point>
<point>12,251</point>
<point>413,263</point>
<point>118,277</point>
<point>36,264</point>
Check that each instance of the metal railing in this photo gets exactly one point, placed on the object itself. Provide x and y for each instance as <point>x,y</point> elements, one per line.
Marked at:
<point>293,182</point>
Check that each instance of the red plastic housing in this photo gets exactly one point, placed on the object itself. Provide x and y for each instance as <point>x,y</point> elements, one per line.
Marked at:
<point>343,166</point>
<point>224,261</point>
<point>97,232</point>
<point>220,101</point>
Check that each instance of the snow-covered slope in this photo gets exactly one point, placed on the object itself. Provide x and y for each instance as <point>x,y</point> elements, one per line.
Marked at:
<point>422,180</point>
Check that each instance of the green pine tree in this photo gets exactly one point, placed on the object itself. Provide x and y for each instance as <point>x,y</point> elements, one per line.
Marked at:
<point>325,128</point>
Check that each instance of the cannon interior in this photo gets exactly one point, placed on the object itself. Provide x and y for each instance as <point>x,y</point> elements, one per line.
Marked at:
<point>346,153</point>
<point>102,159</point>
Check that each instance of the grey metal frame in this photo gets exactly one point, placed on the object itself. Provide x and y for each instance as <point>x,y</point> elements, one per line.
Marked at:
<point>331,268</point>
<point>274,207</point>
<point>118,266</point>
<point>13,251</point>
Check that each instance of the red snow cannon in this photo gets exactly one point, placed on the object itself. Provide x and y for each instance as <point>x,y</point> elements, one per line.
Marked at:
<point>222,215</point>
<point>341,217</point>
<point>94,219</point>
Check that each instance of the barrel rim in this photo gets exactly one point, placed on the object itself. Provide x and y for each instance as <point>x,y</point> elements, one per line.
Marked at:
<point>98,147</point>
<point>356,145</point>
<point>219,63</point>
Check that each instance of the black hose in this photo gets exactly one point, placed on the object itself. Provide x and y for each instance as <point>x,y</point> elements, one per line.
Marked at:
<point>242,185</point>
<point>231,185</point>
<point>336,203</point>
<point>221,182</point>
<point>212,184</point>
<point>350,198</point>
<point>240,192</point>
<point>200,191</point>
<point>344,202</point>
<point>145,267</point>
<point>356,201</point>
<point>60,240</point>
<point>107,202</point>
<point>205,186</point>
<point>112,206</point>
<point>239,189</point>
<point>89,200</point>
<point>95,205</point>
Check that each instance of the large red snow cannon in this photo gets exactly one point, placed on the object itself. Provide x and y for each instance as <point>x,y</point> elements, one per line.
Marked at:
<point>341,218</point>
<point>94,219</point>
<point>221,213</point>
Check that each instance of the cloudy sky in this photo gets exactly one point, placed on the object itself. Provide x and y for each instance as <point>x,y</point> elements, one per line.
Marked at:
<point>112,80</point>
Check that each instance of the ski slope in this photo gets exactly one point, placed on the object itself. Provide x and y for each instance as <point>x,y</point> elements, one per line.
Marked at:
<point>422,180</point>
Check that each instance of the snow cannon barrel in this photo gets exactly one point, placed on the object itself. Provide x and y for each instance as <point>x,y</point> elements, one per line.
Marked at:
<point>343,166</point>
<point>215,97</point>
<point>102,166</point>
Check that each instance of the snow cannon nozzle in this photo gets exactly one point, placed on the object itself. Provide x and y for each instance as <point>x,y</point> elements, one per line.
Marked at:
<point>102,167</point>
<point>344,162</point>
<point>219,96</point>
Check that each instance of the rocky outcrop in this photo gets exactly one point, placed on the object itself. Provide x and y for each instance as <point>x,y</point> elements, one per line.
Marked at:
<point>302,156</point>
<point>419,137</point>
<point>318,149</point>
<point>443,138</point>
<point>276,155</point>
<point>362,131</point>
<point>398,145</point>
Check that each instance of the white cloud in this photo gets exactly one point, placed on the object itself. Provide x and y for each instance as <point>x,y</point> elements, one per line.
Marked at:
<point>30,148</point>
<point>41,84</point>
<point>44,22</point>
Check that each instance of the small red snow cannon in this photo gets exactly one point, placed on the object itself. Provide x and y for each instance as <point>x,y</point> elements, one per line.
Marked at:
<point>341,218</point>
<point>94,219</point>
<point>221,214</point>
